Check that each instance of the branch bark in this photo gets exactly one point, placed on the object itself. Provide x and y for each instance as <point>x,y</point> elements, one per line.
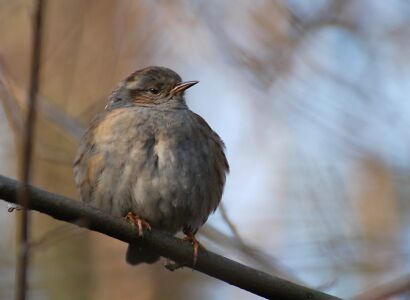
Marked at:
<point>212,264</point>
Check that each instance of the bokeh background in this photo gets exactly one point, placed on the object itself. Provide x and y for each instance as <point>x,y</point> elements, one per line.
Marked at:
<point>311,98</point>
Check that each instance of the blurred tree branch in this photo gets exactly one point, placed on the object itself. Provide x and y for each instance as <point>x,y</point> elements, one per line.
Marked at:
<point>398,286</point>
<point>267,262</point>
<point>23,255</point>
<point>13,114</point>
<point>214,265</point>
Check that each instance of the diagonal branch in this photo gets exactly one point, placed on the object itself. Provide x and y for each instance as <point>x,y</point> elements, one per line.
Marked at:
<point>212,264</point>
<point>269,263</point>
<point>395,287</point>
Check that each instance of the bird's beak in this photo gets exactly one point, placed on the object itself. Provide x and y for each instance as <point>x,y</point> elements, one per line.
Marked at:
<point>180,87</point>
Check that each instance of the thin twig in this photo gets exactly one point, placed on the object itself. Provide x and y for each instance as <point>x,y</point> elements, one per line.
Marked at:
<point>269,263</point>
<point>214,265</point>
<point>398,286</point>
<point>57,234</point>
<point>230,224</point>
<point>24,199</point>
<point>12,91</point>
<point>13,113</point>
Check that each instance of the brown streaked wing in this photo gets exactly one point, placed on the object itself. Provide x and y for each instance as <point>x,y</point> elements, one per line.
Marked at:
<point>88,164</point>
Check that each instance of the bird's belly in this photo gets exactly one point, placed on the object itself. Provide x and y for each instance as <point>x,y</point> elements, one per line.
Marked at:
<point>169,191</point>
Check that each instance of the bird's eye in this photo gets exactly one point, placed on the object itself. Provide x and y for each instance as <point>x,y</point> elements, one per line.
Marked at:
<point>154,91</point>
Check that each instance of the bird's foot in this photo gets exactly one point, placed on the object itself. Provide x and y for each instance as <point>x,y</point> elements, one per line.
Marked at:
<point>190,237</point>
<point>139,222</point>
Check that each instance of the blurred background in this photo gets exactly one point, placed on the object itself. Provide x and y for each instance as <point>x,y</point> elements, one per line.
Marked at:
<point>310,97</point>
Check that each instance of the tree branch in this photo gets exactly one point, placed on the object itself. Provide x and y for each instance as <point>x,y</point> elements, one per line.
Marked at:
<point>214,265</point>
<point>23,255</point>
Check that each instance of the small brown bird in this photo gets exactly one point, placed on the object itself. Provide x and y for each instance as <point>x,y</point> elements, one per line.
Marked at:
<point>148,157</point>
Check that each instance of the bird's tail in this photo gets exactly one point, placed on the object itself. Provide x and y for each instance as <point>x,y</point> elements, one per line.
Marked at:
<point>137,254</point>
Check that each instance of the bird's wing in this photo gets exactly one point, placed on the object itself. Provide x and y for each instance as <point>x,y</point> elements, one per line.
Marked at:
<point>219,163</point>
<point>88,163</point>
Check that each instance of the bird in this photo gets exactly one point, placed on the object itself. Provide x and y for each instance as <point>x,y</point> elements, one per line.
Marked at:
<point>149,158</point>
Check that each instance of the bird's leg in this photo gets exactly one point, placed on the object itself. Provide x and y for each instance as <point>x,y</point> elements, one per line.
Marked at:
<point>139,222</point>
<point>190,237</point>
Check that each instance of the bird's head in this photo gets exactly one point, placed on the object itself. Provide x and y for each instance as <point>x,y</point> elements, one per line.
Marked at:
<point>150,86</point>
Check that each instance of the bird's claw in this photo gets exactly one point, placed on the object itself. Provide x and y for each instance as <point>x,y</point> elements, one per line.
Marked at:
<point>12,207</point>
<point>190,237</point>
<point>139,222</point>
